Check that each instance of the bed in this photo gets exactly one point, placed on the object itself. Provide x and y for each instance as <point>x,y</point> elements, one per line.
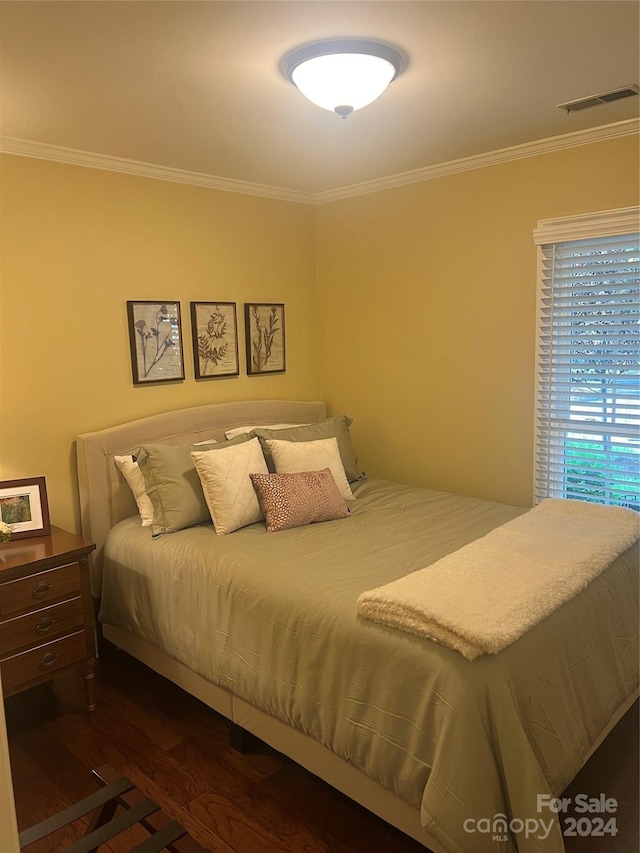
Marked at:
<point>264,629</point>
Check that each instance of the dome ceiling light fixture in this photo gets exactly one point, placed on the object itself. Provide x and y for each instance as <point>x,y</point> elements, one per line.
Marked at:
<point>343,75</point>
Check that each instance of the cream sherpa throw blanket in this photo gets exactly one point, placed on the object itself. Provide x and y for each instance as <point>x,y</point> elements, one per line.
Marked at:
<point>487,594</point>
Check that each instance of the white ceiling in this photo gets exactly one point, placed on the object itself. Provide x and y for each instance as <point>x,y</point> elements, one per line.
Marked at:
<point>195,85</point>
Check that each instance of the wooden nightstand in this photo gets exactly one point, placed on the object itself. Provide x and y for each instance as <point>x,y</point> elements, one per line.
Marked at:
<point>46,610</point>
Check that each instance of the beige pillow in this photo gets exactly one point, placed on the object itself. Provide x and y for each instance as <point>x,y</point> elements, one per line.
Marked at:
<point>337,427</point>
<point>236,431</point>
<point>227,486</point>
<point>293,457</point>
<point>131,472</point>
<point>292,500</point>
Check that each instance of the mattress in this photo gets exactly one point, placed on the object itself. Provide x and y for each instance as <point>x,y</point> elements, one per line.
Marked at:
<point>272,618</point>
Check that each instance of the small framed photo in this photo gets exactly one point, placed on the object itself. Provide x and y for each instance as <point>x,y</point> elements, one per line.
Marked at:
<point>24,507</point>
<point>214,329</point>
<point>155,337</point>
<point>264,334</point>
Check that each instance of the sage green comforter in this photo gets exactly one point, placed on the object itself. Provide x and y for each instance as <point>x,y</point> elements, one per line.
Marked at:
<point>272,617</point>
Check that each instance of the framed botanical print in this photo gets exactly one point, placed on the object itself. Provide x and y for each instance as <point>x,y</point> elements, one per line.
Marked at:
<point>214,330</point>
<point>264,336</point>
<point>155,338</point>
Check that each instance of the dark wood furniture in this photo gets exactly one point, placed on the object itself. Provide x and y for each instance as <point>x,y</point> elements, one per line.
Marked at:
<point>46,610</point>
<point>117,807</point>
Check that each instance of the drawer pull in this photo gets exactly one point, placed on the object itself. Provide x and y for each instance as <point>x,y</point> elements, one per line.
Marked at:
<point>49,659</point>
<point>45,624</point>
<point>41,588</point>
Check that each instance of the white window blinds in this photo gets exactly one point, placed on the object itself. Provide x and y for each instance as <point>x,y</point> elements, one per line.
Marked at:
<point>588,360</point>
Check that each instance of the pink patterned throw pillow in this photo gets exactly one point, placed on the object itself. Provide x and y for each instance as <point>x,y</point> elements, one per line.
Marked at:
<point>291,500</point>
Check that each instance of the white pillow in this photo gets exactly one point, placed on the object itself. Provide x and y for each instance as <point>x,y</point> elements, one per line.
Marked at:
<point>133,475</point>
<point>294,457</point>
<point>232,433</point>
<point>227,487</point>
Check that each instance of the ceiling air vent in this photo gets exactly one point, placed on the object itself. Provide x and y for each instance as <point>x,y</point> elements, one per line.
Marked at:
<point>602,98</point>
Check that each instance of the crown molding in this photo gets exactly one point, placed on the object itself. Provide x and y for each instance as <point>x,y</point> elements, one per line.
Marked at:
<point>73,156</point>
<point>605,132</point>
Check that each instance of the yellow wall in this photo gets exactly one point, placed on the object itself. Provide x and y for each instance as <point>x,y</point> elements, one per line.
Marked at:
<point>423,330</point>
<point>76,244</point>
<point>427,314</point>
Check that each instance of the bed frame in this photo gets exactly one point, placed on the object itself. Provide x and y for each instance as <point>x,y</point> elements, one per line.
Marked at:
<point>105,499</point>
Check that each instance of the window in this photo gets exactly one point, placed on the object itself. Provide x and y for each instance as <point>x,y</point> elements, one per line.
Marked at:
<point>588,359</point>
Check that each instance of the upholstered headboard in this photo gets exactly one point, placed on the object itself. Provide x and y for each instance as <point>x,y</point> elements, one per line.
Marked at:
<point>105,498</point>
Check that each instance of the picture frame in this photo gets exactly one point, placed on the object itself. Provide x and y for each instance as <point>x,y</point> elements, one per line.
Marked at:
<point>264,331</point>
<point>24,507</point>
<point>155,339</point>
<point>214,333</point>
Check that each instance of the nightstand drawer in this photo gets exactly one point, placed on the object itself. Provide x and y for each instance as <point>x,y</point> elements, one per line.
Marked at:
<point>39,663</point>
<point>30,592</point>
<point>40,625</point>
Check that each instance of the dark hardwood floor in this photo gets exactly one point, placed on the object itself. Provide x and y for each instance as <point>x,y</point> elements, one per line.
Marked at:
<point>177,751</point>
